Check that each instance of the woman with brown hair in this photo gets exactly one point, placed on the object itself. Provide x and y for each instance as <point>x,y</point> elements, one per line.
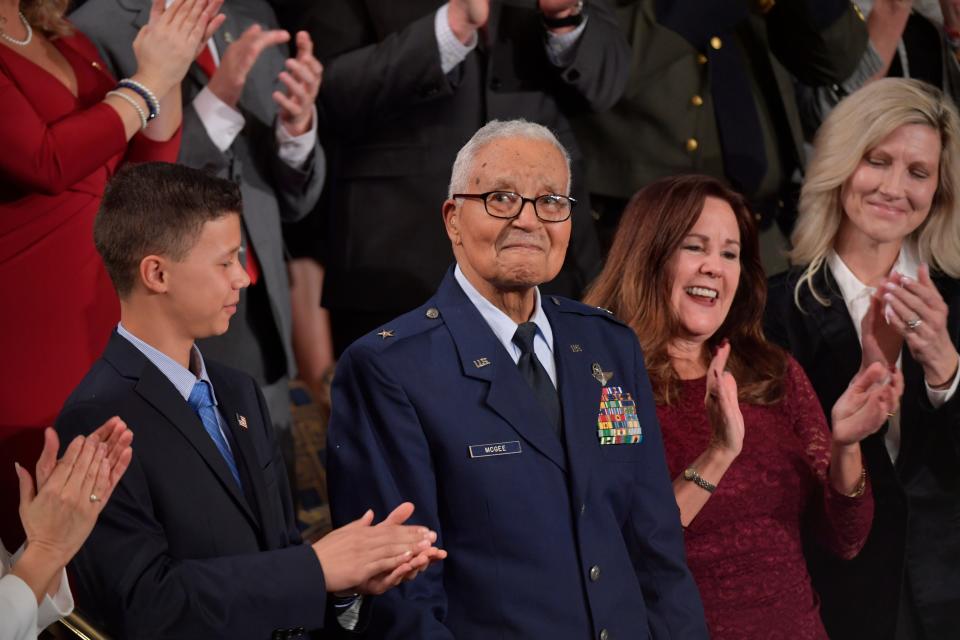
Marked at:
<point>746,441</point>
<point>66,125</point>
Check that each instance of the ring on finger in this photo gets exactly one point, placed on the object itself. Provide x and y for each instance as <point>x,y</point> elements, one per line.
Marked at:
<point>94,498</point>
<point>913,324</point>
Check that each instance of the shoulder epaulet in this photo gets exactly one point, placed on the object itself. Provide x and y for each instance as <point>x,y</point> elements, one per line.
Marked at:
<point>572,306</point>
<point>402,328</point>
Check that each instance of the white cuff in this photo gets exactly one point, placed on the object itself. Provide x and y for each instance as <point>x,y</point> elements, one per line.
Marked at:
<point>561,46</point>
<point>295,150</point>
<point>61,604</point>
<point>18,609</point>
<point>940,397</point>
<point>349,617</point>
<point>222,122</point>
<point>452,51</point>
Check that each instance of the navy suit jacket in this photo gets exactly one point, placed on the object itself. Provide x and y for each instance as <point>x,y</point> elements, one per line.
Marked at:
<point>180,550</point>
<point>555,538</point>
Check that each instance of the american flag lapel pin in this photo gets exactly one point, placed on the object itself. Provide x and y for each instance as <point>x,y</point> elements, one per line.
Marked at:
<point>242,420</point>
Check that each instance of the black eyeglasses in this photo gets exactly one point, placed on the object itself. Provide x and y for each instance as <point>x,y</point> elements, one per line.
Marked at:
<point>549,207</point>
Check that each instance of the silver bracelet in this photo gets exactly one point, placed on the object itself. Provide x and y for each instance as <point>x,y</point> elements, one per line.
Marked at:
<point>133,103</point>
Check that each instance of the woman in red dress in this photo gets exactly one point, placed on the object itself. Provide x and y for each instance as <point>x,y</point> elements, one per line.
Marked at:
<point>61,138</point>
<point>754,463</point>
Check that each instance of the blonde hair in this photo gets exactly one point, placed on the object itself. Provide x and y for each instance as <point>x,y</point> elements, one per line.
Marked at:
<point>853,128</point>
<point>47,16</point>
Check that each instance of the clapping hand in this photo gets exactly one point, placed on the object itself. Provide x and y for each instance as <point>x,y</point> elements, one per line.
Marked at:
<point>870,399</point>
<point>410,569</point>
<point>557,8</point>
<point>372,559</point>
<point>237,61</point>
<point>880,342</point>
<point>302,79</point>
<point>466,16</point>
<point>60,512</point>
<point>723,407</point>
<point>167,45</point>
<point>919,314</point>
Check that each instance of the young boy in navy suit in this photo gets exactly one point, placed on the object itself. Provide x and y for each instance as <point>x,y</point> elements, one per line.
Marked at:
<point>199,538</point>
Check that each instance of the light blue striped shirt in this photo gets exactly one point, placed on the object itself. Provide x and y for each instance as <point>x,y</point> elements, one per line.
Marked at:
<point>504,327</point>
<point>181,378</point>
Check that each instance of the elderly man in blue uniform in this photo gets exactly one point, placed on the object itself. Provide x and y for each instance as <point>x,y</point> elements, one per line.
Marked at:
<point>523,427</point>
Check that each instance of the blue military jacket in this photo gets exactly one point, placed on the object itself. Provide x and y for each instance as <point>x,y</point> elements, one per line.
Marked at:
<point>549,536</point>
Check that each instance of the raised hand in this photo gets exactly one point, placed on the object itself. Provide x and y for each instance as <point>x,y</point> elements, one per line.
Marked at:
<point>237,61</point>
<point>723,408</point>
<point>170,41</point>
<point>114,433</point>
<point>354,554</point>
<point>870,399</point>
<point>919,315</point>
<point>302,79</point>
<point>466,16</point>
<point>879,341</point>
<point>557,8</point>
<point>59,516</point>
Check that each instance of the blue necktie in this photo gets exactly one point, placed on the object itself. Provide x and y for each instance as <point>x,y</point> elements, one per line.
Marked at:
<point>536,376</point>
<point>201,402</point>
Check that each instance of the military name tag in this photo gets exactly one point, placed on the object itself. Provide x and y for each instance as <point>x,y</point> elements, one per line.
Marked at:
<point>494,449</point>
<point>617,421</point>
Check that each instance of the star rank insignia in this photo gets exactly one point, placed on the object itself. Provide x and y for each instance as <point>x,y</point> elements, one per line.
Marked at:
<point>386,333</point>
<point>242,421</point>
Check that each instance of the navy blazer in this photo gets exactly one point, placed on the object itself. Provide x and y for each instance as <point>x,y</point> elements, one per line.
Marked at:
<point>914,548</point>
<point>548,537</point>
<point>180,550</point>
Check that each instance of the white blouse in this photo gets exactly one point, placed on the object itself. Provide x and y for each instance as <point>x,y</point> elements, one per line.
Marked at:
<point>20,617</point>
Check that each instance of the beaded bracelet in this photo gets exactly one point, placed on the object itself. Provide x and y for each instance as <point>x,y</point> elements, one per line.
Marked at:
<point>133,103</point>
<point>152,103</point>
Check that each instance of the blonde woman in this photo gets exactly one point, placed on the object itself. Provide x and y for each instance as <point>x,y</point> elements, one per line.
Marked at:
<point>878,217</point>
<point>65,126</point>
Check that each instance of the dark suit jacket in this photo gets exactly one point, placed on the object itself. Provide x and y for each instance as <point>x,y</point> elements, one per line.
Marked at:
<point>272,190</point>
<point>552,538</point>
<point>395,123</point>
<point>180,551</point>
<point>914,543</point>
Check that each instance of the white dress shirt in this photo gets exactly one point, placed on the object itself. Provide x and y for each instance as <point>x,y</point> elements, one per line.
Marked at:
<point>856,295</point>
<point>504,327</point>
<point>20,617</point>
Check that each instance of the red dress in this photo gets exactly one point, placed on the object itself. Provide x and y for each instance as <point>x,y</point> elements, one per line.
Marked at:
<point>57,152</point>
<point>744,547</point>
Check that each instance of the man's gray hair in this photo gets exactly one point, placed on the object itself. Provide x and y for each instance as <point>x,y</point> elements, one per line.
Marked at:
<point>499,130</point>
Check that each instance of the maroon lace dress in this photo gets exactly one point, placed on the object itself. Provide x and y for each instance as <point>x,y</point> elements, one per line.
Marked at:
<point>744,547</point>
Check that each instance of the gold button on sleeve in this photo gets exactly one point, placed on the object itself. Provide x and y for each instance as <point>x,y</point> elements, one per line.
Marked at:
<point>696,101</point>
<point>701,59</point>
<point>692,144</point>
<point>716,42</point>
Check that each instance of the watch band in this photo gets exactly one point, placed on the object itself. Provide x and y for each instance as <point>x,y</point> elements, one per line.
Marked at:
<point>691,474</point>
<point>575,19</point>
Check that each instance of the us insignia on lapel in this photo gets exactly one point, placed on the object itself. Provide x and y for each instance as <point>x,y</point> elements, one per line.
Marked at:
<point>617,421</point>
<point>242,421</point>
